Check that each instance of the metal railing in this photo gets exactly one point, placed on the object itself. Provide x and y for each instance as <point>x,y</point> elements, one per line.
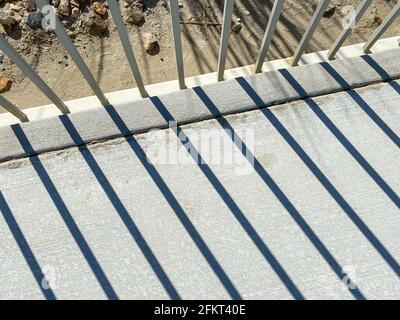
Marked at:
<point>177,43</point>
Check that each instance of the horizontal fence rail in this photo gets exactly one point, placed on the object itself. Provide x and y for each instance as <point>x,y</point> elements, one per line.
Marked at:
<point>176,32</point>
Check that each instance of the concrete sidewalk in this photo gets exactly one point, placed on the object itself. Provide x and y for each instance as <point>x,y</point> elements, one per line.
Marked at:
<point>307,207</point>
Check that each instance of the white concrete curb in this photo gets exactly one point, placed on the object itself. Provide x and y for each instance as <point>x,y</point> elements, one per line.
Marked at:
<point>185,106</point>
<point>124,97</point>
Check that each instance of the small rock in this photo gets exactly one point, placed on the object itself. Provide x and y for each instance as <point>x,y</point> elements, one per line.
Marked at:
<point>34,19</point>
<point>5,84</point>
<point>72,34</point>
<point>30,5</point>
<point>75,13</point>
<point>15,7</point>
<point>377,20</point>
<point>236,24</point>
<point>330,11</point>
<point>7,18</point>
<point>135,16</point>
<point>165,4</point>
<point>64,8</point>
<point>56,3</point>
<point>100,9</point>
<point>95,22</point>
<point>150,43</point>
<point>9,21</point>
<point>128,3</point>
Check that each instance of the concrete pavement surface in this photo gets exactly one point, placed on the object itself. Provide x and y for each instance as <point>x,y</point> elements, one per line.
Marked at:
<point>296,201</point>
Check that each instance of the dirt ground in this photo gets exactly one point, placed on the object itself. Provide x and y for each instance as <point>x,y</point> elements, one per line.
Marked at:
<point>107,61</point>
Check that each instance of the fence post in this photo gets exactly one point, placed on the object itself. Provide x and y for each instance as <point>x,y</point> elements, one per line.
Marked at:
<point>269,33</point>
<point>226,28</point>
<point>176,37</point>
<point>383,27</point>
<point>75,55</point>
<point>319,12</point>
<point>7,105</point>
<point>349,28</point>
<point>31,74</point>
<point>126,44</point>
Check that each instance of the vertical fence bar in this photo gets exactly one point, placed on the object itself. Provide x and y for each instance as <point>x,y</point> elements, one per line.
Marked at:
<point>383,27</point>
<point>31,74</point>
<point>269,32</point>
<point>226,28</point>
<point>62,35</point>
<point>176,37</point>
<point>7,105</point>
<point>349,28</point>
<point>126,44</point>
<point>319,12</point>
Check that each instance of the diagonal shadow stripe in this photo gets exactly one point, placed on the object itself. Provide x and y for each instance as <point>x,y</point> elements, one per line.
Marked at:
<point>65,214</point>
<point>360,101</point>
<point>25,248</point>
<point>279,194</point>
<point>120,209</point>
<point>384,75</point>
<point>230,202</point>
<point>174,204</point>
<point>355,218</point>
<point>343,140</point>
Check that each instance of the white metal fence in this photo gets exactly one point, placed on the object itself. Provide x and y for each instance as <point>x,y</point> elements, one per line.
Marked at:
<point>62,35</point>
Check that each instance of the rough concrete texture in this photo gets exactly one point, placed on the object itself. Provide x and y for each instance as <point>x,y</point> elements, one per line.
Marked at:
<point>186,107</point>
<point>320,208</point>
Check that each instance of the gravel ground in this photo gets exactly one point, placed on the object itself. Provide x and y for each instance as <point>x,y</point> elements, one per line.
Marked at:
<point>105,57</point>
